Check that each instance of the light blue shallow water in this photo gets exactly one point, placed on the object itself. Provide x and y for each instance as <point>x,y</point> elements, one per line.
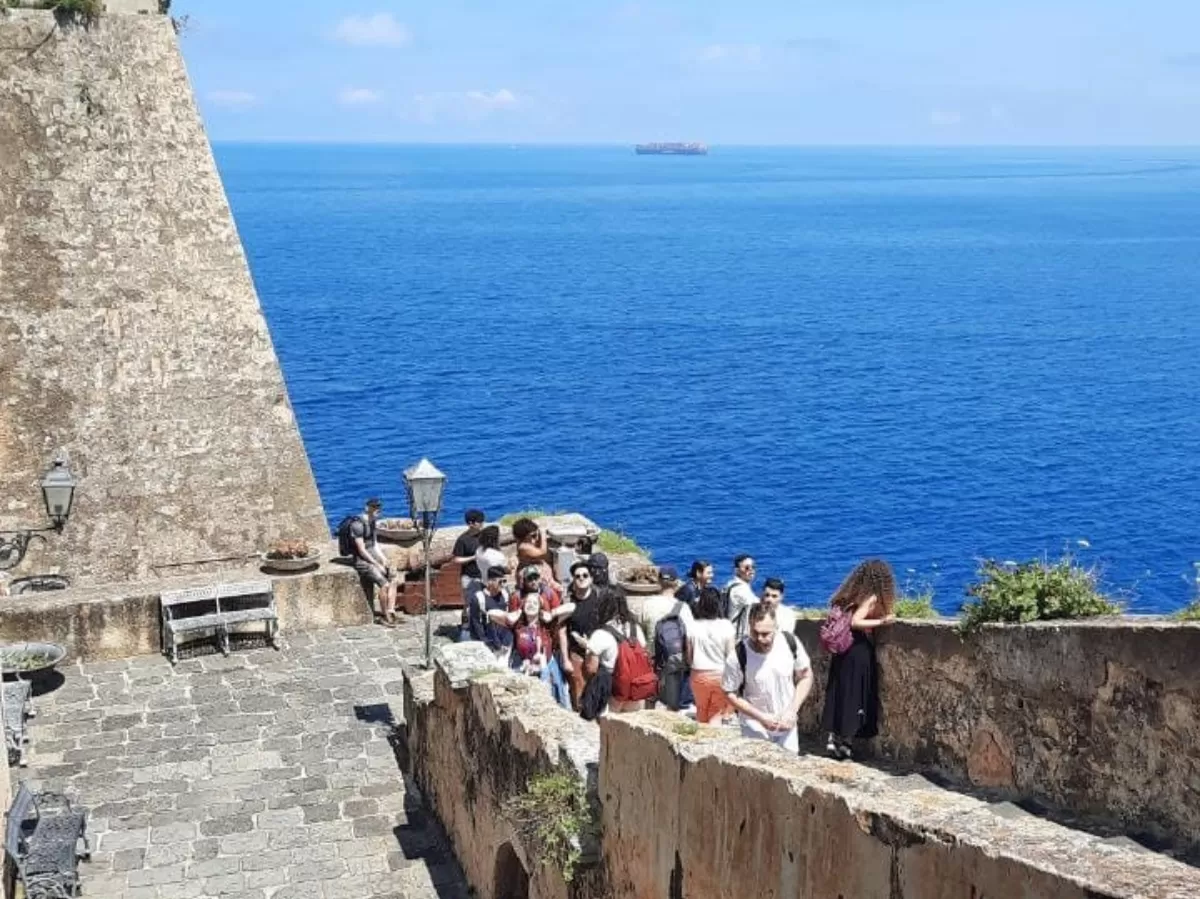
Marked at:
<point>810,355</point>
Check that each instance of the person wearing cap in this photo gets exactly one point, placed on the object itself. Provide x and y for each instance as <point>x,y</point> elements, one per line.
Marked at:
<point>370,562</point>
<point>489,614</point>
<point>530,578</point>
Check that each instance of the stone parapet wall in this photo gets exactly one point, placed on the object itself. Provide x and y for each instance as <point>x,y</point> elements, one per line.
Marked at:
<point>711,815</point>
<point>116,622</point>
<point>130,331</point>
<point>699,812</point>
<point>475,735</point>
<point>1097,719</point>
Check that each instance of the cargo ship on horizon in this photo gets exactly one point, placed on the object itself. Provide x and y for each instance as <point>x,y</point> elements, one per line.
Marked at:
<point>671,149</point>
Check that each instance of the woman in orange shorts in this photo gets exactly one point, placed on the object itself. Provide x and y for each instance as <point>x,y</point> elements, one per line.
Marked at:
<point>710,641</point>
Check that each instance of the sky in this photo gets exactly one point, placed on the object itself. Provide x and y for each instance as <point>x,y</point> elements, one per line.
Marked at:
<point>884,72</point>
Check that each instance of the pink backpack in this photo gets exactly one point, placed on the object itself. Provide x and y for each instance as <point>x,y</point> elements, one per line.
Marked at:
<point>836,636</point>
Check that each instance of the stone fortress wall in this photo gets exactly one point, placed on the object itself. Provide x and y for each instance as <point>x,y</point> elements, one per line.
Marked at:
<point>698,812</point>
<point>130,331</point>
<point>1098,720</point>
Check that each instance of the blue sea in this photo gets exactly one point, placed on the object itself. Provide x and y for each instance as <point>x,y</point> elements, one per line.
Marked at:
<point>810,355</point>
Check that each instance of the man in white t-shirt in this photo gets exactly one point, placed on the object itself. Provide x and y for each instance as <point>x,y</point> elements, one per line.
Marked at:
<point>772,595</point>
<point>767,678</point>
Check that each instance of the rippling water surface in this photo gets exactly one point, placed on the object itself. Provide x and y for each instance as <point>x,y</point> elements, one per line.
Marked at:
<point>809,355</point>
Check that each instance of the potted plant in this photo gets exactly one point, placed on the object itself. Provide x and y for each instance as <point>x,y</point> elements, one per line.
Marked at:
<point>290,554</point>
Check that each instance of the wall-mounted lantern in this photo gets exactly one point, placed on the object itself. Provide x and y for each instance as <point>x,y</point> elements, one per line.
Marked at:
<point>58,493</point>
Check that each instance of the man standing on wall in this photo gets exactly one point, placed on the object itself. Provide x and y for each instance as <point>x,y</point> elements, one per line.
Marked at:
<point>767,679</point>
<point>739,594</point>
<point>370,562</point>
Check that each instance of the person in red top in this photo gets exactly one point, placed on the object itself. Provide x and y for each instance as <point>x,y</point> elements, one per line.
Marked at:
<point>533,644</point>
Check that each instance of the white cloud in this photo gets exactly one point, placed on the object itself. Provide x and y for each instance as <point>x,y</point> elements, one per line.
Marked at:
<point>359,96</point>
<point>232,99</point>
<point>750,54</point>
<point>501,99</point>
<point>945,118</point>
<point>471,105</point>
<point>379,30</point>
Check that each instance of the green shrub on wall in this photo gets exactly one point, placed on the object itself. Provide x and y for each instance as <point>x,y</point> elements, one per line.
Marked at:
<point>1039,590</point>
<point>553,815</point>
<point>915,605</point>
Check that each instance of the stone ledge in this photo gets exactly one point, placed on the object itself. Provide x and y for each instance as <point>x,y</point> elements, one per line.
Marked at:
<point>121,620</point>
<point>1095,720</point>
<point>897,838</point>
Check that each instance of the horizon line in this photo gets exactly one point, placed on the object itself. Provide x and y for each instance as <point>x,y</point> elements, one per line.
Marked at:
<point>735,145</point>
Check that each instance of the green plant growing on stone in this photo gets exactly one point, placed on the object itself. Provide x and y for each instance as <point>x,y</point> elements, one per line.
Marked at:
<point>617,542</point>
<point>686,728</point>
<point>1039,590</point>
<point>554,814</point>
<point>915,605</point>
<point>84,11</point>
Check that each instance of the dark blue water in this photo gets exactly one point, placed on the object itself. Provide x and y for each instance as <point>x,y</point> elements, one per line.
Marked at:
<point>809,355</point>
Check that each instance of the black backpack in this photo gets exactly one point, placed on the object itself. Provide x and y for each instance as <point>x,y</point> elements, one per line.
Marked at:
<point>741,656</point>
<point>345,538</point>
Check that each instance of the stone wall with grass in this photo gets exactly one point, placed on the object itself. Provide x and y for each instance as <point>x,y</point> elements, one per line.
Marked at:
<point>130,331</point>
<point>494,755</point>
<point>684,810</point>
<point>1093,719</point>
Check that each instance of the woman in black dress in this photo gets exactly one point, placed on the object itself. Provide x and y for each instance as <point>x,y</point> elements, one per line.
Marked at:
<point>852,694</point>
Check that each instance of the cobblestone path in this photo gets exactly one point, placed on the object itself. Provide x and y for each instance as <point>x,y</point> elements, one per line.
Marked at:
<point>264,775</point>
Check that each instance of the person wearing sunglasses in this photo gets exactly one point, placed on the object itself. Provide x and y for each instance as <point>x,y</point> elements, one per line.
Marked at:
<point>581,610</point>
<point>738,595</point>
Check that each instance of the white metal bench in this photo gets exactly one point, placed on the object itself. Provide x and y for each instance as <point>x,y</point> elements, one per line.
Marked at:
<point>216,608</point>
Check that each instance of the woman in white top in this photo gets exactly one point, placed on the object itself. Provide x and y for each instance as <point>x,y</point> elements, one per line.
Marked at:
<point>603,646</point>
<point>710,643</point>
<point>488,554</point>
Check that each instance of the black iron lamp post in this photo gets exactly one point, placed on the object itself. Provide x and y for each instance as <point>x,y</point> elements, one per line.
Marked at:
<point>425,485</point>
<point>58,493</point>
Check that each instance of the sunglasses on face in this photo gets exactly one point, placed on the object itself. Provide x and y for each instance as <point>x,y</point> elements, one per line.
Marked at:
<point>583,576</point>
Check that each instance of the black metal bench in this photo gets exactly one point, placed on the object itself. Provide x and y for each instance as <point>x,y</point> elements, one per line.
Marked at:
<point>217,608</point>
<point>46,837</point>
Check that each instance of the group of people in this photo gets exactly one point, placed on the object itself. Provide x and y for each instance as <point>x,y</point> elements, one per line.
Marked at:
<point>727,655</point>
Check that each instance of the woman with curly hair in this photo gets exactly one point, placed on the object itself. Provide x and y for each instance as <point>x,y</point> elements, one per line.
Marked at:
<point>534,549</point>
<point>866,596</point>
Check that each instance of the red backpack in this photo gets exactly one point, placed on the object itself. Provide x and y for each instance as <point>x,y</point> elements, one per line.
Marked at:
<point>836,636</point>
<point>633,678</point>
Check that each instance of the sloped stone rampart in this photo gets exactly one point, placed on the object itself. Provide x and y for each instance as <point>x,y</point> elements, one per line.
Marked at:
<point>1098,720</point>
<point>712,815</point>
<point>130,332</point>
